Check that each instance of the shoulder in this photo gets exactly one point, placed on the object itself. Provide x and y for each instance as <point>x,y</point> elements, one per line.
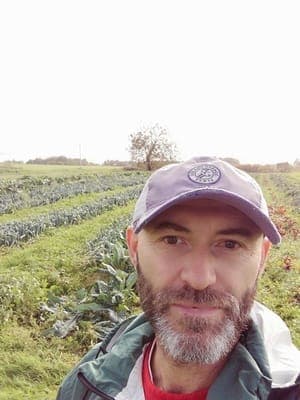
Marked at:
<point>283,355</point>
<point>289,393</point>
<point>122,338</point>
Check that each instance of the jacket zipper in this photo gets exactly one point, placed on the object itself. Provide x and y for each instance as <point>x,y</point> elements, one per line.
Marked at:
<point>92,388</point>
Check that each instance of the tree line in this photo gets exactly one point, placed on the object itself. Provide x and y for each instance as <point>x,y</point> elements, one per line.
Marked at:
<point>59,160</point>
<point>151,147</point>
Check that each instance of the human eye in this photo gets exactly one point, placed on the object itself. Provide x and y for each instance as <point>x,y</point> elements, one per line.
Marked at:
<point>230,244</point>
<point>172,240</point>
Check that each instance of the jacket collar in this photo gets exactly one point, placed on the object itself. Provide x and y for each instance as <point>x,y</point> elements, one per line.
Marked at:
<point>245,375</point>
<point>109,373</point>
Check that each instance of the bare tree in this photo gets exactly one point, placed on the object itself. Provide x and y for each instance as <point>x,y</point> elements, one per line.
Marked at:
<point>152,145</point>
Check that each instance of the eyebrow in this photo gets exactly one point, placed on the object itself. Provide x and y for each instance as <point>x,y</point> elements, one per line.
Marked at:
<point>165,225</point>
<point>168,225</point>
<point>240,231</point>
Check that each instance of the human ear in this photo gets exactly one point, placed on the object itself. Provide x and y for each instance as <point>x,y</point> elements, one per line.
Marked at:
<point>132,242</point>
<point>266,246</point>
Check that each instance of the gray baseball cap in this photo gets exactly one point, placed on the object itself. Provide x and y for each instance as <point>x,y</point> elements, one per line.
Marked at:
<point>203,177</point>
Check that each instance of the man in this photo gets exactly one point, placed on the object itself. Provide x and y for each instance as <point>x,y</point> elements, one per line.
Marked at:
<point>199,240</point>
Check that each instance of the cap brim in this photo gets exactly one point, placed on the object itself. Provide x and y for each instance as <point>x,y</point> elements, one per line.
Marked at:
<point>232,199</point>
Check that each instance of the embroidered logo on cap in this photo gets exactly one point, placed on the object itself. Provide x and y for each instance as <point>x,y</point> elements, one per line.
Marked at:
<point>205,174</point>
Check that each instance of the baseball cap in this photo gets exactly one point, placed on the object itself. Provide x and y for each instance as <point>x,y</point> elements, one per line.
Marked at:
<point>203,177</point>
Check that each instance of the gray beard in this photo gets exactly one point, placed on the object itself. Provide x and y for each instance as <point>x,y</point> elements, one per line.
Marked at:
<point>198,349</point>
<point>197,340</point>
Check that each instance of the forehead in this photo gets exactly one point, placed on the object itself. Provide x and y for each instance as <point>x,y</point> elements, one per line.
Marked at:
<point>206,209</point>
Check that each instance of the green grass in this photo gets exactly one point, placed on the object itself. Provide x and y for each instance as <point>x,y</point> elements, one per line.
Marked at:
<point>279,287</point>
<point>60,248</point>
<point>17,170</point>
<point>55,263</point>
<point>32,366</point>
<point>30,212</point>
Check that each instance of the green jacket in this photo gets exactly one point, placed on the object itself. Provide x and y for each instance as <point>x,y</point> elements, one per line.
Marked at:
<point>112,369</point>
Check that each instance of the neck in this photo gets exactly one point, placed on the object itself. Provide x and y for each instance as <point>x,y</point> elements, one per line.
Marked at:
<point>172,376</point>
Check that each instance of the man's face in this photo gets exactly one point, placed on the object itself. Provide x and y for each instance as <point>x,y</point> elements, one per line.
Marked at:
<point>198,264</point>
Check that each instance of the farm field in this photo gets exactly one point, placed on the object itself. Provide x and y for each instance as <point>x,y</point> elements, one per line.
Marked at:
<point>65,277</point>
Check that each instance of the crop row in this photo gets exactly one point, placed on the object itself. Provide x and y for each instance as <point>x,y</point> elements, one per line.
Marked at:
<point>289,187</point>
<point>27,182</point>
<point>106,302</point>
<point>47,194</point>
<point>110,241</point>
<point>15,232</point>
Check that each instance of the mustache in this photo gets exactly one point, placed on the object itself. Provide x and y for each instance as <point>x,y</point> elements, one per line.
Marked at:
<point>208,296</point>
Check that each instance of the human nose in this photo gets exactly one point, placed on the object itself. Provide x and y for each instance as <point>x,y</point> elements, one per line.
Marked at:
<point>199,271</point>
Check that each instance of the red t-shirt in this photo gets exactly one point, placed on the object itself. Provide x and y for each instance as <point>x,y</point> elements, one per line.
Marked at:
<point>152,392</point>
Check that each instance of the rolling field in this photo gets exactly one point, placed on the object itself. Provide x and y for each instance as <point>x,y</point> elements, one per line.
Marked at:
<point>65,277</point>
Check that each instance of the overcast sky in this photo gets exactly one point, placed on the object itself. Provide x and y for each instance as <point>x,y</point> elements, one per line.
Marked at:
<point>222,76</point>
